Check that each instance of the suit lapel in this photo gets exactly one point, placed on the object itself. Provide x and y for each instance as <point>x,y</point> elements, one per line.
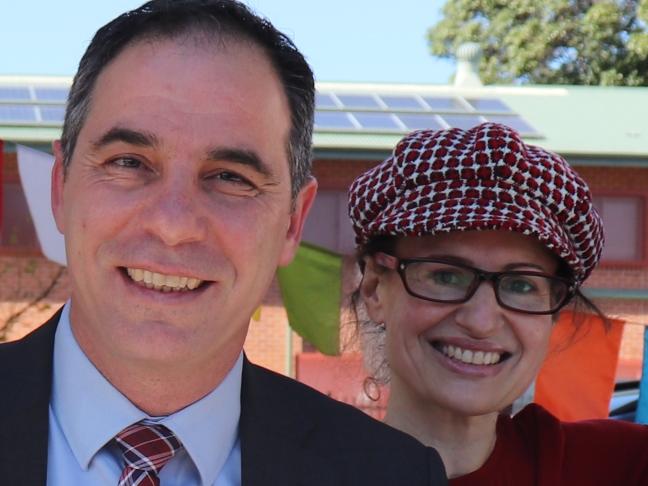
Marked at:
<point>274,432</point>
<point>26,374</point>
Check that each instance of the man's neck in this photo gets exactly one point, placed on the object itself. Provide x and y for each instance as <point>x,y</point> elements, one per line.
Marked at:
<point>160,387</point>
<point>159,391</point>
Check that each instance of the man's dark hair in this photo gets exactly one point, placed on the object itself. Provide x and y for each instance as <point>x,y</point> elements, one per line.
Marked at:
<point>221,19</point>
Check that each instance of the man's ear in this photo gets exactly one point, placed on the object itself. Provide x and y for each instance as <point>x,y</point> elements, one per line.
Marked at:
<point>58,179</point>
<point>370,290</point>
<point>301,206</point>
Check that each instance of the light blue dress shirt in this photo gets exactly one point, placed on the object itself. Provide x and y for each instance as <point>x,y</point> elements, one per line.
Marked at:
<point>86,412</point>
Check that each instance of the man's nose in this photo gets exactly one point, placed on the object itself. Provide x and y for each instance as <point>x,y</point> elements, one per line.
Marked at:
<point>481,316</point>
<point>174,214</point>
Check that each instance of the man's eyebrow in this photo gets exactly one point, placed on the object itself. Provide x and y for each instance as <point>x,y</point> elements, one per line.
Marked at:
<point>240,156</point>
<point>126,135</point>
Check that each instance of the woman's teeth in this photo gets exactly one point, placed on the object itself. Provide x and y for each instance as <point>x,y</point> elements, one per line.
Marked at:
<point>159,281</point>
<point>471,357</point>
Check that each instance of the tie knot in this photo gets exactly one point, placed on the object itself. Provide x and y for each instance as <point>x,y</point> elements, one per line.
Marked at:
<point>147,447</point>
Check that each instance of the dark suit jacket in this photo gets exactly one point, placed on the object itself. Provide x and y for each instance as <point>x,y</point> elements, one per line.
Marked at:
<point>291,435</point>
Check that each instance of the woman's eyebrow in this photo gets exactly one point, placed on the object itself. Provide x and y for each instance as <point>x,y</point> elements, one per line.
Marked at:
<point>517,265</point>
<point>465,261</point>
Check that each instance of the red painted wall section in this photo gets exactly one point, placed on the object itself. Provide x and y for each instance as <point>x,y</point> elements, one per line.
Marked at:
<point>342,378</point>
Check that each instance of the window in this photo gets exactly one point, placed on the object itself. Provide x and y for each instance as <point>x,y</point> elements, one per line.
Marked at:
<point>623,221</point>
<point>328,224</point>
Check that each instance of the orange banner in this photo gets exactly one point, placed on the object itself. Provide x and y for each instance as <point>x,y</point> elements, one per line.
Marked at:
<point>577,378</point>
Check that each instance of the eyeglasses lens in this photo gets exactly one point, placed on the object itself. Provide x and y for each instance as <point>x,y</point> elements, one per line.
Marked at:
<point>531,293</point>
<point>445,282</point>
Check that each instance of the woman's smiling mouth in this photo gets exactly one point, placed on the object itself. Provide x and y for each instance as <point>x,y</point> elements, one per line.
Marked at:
<point>470,356</point>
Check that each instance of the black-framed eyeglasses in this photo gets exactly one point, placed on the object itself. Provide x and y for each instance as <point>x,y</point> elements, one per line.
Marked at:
<point>439,280</point>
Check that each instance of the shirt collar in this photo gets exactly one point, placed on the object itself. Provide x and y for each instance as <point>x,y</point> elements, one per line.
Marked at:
<point>91,411</point>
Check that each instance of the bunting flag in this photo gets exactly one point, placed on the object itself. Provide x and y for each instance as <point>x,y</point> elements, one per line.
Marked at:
<point>642,408</point>
<point>35,169</point>
<point>576,381</point>
<point>311,288</point>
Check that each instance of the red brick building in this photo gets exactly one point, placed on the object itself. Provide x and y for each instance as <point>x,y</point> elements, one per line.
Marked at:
<point>601,131</point>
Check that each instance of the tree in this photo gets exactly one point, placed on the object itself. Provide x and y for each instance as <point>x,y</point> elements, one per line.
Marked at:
<point>589,42</point>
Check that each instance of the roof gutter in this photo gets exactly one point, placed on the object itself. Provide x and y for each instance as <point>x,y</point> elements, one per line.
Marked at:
<point>625,294</point>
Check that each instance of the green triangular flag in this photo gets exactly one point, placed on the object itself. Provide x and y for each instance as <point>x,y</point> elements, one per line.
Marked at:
<point>311,291</point>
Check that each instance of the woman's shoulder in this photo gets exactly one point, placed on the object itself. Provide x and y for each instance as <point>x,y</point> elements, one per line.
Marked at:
<point>595,450</point>
<point>535,447</point>
<point>536,419</point>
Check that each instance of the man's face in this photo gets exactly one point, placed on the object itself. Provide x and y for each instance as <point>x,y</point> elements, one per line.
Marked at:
<point>176,206</point>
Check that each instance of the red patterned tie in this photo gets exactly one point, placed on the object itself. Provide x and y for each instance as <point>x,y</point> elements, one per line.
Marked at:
<point>146,448</point>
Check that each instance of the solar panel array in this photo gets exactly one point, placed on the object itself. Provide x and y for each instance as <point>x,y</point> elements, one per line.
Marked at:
<point>335,111</point>
<point>32,105</point>
<point>386,113</point>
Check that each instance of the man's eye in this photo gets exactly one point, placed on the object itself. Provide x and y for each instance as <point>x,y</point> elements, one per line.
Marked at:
<point>127,162</point>
<point>232,178</point>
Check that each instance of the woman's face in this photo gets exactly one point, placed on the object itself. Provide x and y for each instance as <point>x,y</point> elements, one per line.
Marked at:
<point>425,339</point>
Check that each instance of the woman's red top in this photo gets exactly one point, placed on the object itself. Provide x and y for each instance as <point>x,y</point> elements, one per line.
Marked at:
<point>535,448</point>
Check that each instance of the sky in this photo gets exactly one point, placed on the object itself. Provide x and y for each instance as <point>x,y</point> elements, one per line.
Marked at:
<point>343,40</point>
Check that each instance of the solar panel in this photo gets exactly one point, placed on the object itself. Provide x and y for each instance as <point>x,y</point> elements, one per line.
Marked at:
<point>402,102</point>
<point>324,100</point>
<point>420,122</point>
<point>17,113</point>
<point>14,93</point>
<point>488,104</point>
<point>445,103</point>
<point>463,121</point>
<point>358,101</point>
<point>332,119</point>
<point>383,121</point>
<point>51,93</point>
<point>516,122</point>
<point>52,114</point>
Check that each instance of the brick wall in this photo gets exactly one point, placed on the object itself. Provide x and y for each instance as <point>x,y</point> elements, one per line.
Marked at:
<point>22,279</point>
<point>267,341</point>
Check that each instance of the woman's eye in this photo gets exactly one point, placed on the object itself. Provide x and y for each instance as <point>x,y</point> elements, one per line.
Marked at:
<point>445,277</point>
<point>520,286</point>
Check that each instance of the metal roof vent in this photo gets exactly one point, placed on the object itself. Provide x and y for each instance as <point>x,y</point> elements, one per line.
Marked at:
<point>468,57</point>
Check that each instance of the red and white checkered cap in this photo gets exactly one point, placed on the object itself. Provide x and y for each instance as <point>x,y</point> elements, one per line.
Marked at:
<point>479,179</point>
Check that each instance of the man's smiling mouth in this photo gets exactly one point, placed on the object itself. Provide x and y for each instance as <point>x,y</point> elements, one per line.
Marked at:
<point>162,282</point>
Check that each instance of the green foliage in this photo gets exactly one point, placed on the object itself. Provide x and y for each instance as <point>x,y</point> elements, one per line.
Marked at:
<point>589,42</point>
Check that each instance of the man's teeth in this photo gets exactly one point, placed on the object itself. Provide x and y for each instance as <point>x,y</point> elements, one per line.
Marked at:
<point>471,357</point>
<point>165,283</point>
